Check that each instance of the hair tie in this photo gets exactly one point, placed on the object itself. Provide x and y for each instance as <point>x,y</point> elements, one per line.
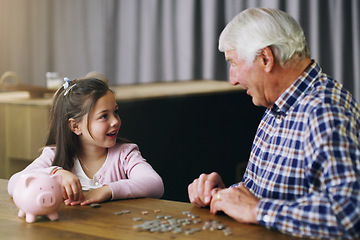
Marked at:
<point>66,85</point>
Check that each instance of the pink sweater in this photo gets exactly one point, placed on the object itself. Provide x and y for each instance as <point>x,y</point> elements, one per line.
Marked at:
<point>125,171</point>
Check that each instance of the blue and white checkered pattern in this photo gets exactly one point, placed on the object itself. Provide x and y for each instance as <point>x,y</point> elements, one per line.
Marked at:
<point>305,160</point>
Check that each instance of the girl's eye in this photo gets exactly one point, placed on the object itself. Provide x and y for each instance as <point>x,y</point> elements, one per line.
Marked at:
<point>116,112</point>
<point>103,116</point>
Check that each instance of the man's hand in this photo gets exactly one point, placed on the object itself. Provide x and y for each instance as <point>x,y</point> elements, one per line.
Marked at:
<point>237,202</point>
<point>200,189</point>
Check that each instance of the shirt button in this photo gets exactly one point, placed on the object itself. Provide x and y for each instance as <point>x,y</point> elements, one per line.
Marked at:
<point>278,120</point>
<point>267,218</point>
<point>96,183</point>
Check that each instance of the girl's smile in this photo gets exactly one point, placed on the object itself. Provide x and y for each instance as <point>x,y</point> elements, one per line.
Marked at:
<point>112,134</point>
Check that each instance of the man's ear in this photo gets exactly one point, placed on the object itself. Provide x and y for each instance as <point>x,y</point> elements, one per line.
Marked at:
<point>267,59</point>
<point>74,126</point>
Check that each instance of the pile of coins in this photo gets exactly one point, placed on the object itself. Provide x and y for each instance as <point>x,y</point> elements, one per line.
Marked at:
<point>217,225</point>
<point>169,224</point>
<point>177,225</point>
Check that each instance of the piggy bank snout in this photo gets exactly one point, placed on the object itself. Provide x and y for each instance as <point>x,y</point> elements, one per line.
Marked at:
<point>46,199</point>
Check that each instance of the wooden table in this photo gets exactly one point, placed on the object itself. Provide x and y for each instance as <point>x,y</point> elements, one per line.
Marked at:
<point>84,222</point>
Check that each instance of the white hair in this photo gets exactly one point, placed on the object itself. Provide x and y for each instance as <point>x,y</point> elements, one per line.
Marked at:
<point>256,28</point>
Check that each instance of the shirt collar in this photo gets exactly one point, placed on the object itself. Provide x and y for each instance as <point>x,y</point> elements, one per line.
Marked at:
<point>292,94</point>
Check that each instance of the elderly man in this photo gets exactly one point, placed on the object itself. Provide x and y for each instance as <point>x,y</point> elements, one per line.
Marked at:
<point>303,174</point>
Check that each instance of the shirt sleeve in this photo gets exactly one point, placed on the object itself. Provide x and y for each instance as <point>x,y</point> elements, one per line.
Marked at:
<point>42,164</point>
<point>141,179</point>
<point>331,208</point>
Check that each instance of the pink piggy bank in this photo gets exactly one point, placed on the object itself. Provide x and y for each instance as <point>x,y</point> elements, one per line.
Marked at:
<point>37,194</point>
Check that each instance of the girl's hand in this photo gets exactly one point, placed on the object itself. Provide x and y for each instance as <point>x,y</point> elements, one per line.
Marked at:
<point>93,196</point>
<point>97,195</point>
<point>71,186</point>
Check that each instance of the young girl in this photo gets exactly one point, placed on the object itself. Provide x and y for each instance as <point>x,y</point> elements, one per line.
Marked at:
<point>83,147</point>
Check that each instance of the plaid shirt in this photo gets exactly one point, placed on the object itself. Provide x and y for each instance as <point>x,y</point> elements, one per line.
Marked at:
<point>305,160</point>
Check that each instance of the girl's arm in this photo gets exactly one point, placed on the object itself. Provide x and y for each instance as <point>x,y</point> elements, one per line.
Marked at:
<point>142,180</point>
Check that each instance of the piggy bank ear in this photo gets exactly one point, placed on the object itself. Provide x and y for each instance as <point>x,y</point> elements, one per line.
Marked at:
<point>57,178</point>
<point>28,180</point>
